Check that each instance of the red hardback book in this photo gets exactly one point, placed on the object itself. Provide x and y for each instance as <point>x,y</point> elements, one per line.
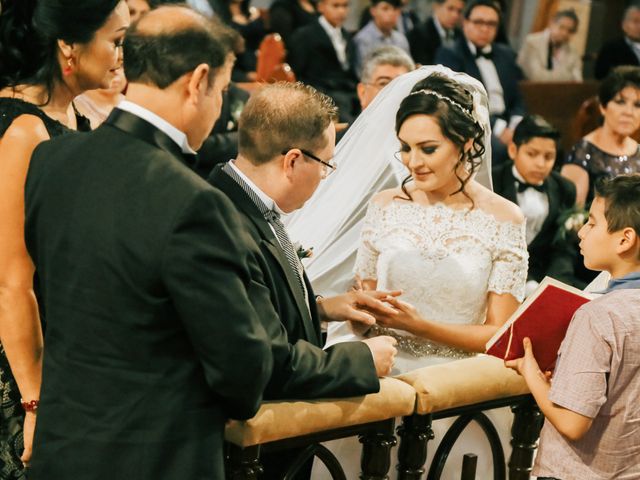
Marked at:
<point>543,317</point>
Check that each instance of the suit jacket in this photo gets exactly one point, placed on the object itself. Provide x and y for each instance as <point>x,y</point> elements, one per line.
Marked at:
<point>425,40</point>
<point>460,59</point>
<point>315,62</point>
<point>612,54</point>
<point>544,257</point>
<point>533,58</point>
<point>301,368</point>
<point>152,340</point>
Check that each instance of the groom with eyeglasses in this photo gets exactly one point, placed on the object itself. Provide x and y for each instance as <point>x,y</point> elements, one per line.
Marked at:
<point>286,142</point>
<point>494,64</point>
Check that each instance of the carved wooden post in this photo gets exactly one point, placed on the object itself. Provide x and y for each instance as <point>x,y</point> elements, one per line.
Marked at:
<point>525,432</point>
<point>376,452</point>
<point>414,433</point>
<point>243,463</point>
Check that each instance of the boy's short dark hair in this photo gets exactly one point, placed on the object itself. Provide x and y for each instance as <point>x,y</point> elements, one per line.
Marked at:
<point>482,3</point>
<point>393,3</point>
<point>622,201</point>
<point>534,126</point>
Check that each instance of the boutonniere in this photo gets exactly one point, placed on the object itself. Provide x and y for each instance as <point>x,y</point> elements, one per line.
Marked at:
<point>569,223</point>
<point>303,252</point>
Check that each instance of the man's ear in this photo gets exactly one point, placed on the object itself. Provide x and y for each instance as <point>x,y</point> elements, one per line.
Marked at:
<point>360,91</point>
<point>289,161</point>
<point>512,149</point>
<point>198,84</point>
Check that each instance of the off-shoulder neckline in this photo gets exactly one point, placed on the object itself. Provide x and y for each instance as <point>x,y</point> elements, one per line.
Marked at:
<point>444,206</point>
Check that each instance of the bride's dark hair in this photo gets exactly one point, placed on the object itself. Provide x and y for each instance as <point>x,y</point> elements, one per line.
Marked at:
<point>30,29</point>
<point>451,105</point>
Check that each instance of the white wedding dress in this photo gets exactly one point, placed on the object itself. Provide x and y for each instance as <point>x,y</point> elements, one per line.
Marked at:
<point>445,260</point>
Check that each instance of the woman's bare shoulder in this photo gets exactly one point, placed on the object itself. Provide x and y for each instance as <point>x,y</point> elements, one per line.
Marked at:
<point>25,130</point>
<point>499,207</point>
<point>385,197</point>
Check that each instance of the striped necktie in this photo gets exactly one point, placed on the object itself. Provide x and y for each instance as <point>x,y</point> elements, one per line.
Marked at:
<point>273,218</point>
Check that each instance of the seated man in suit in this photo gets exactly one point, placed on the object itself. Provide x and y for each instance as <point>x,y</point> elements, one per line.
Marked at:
<point>323,55</point>
<point>547,56</point>
<point>543,196</point>
<point>494,64</point>
<point>623,50</point>
<point>380,30</point>
<point>441,28</point>
<point>286,142</point>
<point>152,340</point>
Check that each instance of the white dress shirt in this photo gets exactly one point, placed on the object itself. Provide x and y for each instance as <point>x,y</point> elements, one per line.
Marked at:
<point>160,123</point>
<point>534,206</point>
<point>338,41</point>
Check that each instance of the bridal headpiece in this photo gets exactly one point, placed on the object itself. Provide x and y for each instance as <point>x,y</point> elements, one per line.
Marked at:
<point>426,91</point>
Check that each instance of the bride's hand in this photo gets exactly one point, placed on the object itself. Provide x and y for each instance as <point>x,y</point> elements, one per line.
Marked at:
<point>357,306</point>
<point>406,318</point>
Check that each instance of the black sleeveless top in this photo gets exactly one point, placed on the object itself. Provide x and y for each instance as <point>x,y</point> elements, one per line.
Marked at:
<point>12,108</point>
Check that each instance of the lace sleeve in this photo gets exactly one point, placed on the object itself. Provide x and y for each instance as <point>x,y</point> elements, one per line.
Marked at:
<point>510,262</point>
<point>367,257</point>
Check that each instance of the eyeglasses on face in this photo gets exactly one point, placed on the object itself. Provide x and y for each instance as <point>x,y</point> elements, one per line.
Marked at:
<point>328,167</point>
<point>484,23</point>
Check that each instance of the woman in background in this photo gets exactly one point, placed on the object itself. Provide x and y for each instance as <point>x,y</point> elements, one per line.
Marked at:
<point>609,150</point>
<point>51,51</point>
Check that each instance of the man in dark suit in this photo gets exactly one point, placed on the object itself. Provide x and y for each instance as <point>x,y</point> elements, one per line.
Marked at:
<point>442,28</point>
<point>152,342</point>
<point>494,64</point>
<point>543,195</point>
<point>621,51</point>
<point>286,141</point>
<point>323,55</point>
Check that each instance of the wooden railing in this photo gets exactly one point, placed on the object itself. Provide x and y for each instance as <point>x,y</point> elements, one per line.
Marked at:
<point>463,388</point>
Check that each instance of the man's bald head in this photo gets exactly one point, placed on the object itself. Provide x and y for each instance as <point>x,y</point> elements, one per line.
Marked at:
<point>283,116</point>
<point>169,42</point>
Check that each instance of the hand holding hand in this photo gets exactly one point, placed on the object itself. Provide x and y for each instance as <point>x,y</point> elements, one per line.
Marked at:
<point>527,366</point>
<point>384,352</point>
<point>357,306</point>
<point>405,318</point>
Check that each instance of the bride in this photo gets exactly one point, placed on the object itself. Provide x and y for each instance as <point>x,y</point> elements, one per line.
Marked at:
<point>455,249</point>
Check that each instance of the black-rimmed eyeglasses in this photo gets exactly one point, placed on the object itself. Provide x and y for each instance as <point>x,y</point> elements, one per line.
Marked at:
<point>328,167</point>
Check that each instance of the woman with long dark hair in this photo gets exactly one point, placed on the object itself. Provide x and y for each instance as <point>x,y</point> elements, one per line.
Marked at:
<point>50,52</point>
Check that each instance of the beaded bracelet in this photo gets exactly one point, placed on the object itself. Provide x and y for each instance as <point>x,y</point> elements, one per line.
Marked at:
<point>30,406</point>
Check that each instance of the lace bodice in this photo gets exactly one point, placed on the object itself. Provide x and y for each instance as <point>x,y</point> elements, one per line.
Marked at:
<point>445,260</point>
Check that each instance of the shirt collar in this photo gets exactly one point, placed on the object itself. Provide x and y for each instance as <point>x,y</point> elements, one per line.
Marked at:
<point>474,49</point>
<point>160,123</point>
<point>518,177</point>
<point>264,198</point>
<point>377,32</point>
<point>330,29</point>
<point>630,281</point>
